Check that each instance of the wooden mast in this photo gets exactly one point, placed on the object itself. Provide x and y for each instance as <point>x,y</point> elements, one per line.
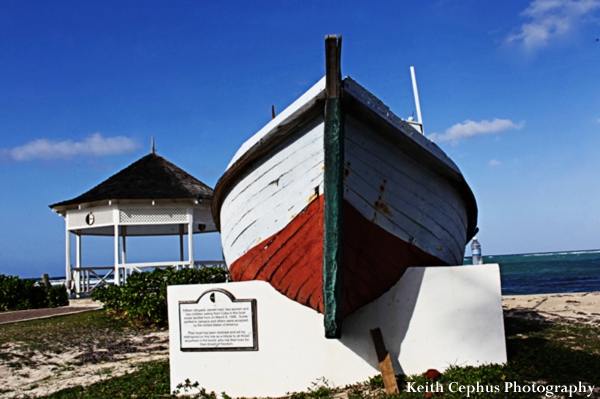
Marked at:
<point>333,189</point>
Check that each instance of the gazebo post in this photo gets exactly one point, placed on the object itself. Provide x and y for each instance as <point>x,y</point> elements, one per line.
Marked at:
<point>124,244</point>
<point>69,276</point>
<point>191,236</point>
<point>181,242</point>
<point>78,263</point>
<point>116,256</point>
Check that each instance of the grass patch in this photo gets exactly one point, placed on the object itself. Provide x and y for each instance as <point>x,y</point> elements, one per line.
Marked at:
<point>151,380</point>
<point>560,353</point>
<point>540,352</point>
<point>54,334</point>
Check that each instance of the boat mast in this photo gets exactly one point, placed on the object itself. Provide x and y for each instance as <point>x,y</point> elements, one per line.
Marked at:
<point>416,93</point>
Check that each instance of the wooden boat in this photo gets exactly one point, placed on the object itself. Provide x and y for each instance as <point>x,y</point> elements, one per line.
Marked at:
<point>336,197</point>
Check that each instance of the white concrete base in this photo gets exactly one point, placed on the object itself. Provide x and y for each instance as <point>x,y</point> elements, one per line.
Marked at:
<point>433,317</point>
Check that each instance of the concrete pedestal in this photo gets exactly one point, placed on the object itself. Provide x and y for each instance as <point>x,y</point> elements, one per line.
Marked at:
<point>433,317</point>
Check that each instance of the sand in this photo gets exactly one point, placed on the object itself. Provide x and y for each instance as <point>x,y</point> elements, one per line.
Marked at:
<point>42,373</point>
<point>580,307</point>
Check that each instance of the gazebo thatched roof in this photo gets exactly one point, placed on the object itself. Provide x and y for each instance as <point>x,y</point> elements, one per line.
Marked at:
<point>151,177</point>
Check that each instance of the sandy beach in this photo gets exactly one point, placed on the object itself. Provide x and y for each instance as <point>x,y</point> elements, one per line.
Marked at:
<point>580,307</point>
<point>45,373</point>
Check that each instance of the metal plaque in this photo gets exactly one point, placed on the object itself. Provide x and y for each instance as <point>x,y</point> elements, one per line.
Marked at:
<point>218,321</point>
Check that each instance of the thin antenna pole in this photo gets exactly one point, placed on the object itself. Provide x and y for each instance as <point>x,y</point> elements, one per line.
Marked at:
<point>152,145</point>
<point>416,93</point>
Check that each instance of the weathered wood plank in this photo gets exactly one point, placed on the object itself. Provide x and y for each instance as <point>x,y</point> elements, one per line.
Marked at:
<point>375,146</point>
<point>293,118</point>
<point>398,202</point>
<point>333,72</point>
<point>275,176</point>
<point>411,202</point>
<point>406,187</point>
<point>366,107</point>
<point>406,230</point>
<point>294,149</point>
<point>268,197</point>
<point>411,222</point>
<point>419,222</point>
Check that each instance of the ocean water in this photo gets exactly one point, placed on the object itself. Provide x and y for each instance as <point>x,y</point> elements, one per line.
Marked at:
<point>548,273</point>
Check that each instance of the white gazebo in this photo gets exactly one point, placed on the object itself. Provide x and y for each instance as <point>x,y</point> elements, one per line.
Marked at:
<point>151,197</point>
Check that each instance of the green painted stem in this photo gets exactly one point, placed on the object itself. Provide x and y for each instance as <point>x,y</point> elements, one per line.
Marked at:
<point>333,218</point>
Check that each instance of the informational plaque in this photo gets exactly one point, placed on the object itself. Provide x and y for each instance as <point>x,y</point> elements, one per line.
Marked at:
<point>218,321</point>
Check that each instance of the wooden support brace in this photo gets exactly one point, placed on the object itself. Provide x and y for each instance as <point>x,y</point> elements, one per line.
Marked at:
<point>385,363</point>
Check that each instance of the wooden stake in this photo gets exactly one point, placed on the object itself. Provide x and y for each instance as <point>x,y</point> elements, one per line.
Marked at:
<point>46,281</point>
<point>385,363</point>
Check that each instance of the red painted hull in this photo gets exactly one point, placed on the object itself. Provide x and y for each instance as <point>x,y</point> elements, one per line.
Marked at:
<point>292,260</point>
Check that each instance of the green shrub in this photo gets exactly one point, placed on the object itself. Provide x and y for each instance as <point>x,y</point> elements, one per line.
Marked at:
<point>23,294</point>
<point>57,296</point>
<point>143,299</point>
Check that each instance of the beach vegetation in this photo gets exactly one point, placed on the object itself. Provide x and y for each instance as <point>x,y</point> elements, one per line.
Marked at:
<point>320,389</point>
<point>560,353</point>
<point>151,380</point>
<point>57,295</point>
<point>22,294</point>
<point>142,300</point>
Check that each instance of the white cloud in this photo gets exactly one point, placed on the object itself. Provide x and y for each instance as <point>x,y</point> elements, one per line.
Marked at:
<point>469,129</point>
<point>550,19</point>
<point>95,146</point>
<point>494,162</point>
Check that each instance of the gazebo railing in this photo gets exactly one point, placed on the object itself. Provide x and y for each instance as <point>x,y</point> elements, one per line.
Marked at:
<point>86,279</point>
<point>199,264</point>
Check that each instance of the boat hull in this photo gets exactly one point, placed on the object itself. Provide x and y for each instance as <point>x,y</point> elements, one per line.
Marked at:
<point>403,203</point>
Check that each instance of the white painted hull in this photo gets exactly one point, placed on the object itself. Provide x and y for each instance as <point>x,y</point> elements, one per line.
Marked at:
<point>270,195</point>
<point>410,201</point>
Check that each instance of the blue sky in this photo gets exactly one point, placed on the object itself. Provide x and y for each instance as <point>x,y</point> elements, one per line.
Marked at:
<point>509,90</point>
